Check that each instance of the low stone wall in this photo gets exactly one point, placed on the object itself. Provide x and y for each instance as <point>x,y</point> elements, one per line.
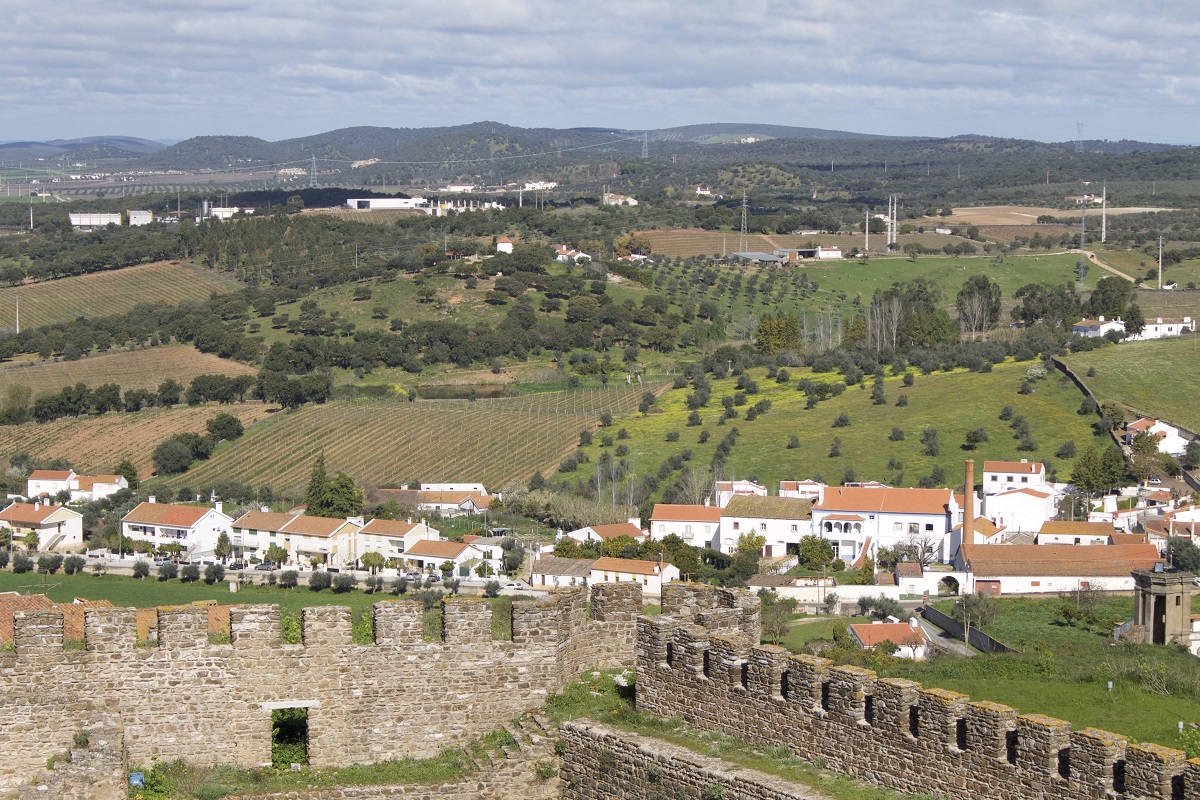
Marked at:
<point>888,731</point>
<point>602,763</point>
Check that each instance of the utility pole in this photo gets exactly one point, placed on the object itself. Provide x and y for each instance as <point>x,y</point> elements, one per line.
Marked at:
<point>743,243</point>
<point>1104,214</point>
<point>867,232</point>
<point>1160,245</point>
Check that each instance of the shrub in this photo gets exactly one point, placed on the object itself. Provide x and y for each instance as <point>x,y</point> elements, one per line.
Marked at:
<point>897,435</point>
<point>976,437</point>
<point>168,572</point>
<point>141,569</point>
<point>344,582</point>
<point>319,580</point>
<point>399,585</point>
<point>1025,388</point>
<point>491,589</point>
<point>189,573</point>
<point>585,438</point>
<point>909,380</point>
<point>793,442</point>
<point>1006,413</point>
<point>902,400</point>
<point>622,434</point>
<point>703,437</point>
<point>214,573</point>
<point>694,419</point>
<point>842,421</point>
<point>288,579</point>
<point>1091,373</point>
<point>929,439</point>
<point>1066,449</point>
<point>672,436</point>
<point>49,563</point>
<point>21,563</point>
<point>71,564</point>
<point>835,449</point>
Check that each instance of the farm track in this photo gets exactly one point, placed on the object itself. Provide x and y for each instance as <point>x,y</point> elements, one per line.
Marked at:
<point>387,443</point>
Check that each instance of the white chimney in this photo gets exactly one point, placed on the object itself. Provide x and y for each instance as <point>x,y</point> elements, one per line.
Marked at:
<point>219,507</point>
<point>1102,318</point>
<point>913,623</point>
<point>151,499</point>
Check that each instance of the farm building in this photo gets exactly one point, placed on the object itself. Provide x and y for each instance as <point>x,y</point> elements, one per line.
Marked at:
<point>386,203</point>
<point>91,220</point>
<point>139,218</point>
<point>1162,327</point>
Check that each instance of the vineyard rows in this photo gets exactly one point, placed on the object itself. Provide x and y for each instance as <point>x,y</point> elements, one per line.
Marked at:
<point>388,444</point>
<point>132,369</point>
<point>102,294</point>
<point>96,444</point>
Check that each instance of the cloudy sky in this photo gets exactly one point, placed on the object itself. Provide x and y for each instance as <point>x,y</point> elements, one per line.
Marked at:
<point>1024,68</point>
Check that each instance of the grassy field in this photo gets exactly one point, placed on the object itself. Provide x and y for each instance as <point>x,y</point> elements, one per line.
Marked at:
<point>953,403</point>
<point>96,444</point>
<point>101,294</point>
<point>389,443</point>
<point>134,369</point>
<point>1133,374</point>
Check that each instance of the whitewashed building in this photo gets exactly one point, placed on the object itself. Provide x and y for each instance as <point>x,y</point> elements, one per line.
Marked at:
<point>194,528</point>
<point>699,526</point>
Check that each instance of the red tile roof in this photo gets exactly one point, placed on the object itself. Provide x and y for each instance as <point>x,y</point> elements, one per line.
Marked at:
<point>1097,560</point>
<point>667,512</point>
<point>436,548</point>
<point>630,566</point>
<point>50,475</point>
<point>389,527</point>
<point>617,529</point>
<point>165,514</point>
<point>1067,528</point>
<point>29,513</point>
<point>900,633</point>
<point>895,501</point>
<point>1015,467</point>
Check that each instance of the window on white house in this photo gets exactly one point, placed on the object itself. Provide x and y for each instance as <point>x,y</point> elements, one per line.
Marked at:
<point>914,528</point>
<point>928,526</point>
<point>762,526</point>
<point>794,528</point>
<point>736,526</point>
<point>897,527</point>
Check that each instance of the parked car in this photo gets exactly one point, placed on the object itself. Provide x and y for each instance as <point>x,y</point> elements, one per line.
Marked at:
<point>237,565</point>
<point>513,585</point>
<point>413,576</point>
<point>265,566</point>
<point>161,561</point>
<point>435,578</point>
<point>1154,480</point>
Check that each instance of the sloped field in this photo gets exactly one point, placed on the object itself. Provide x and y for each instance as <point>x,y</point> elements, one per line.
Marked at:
<point>133,369</point>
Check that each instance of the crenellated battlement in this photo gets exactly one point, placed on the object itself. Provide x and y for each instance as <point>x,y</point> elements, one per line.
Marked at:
<point>886,731</point>
<point>180,695</point>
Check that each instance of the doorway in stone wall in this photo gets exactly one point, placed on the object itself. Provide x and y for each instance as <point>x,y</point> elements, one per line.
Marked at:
<point>289,737</point>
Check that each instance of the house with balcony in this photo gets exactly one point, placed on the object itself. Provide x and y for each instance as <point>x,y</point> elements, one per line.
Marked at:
<point>331,541</point>
<point>781,521</point>
<point>864,518</point>
<point>194,528</point>
<point>698,526</point>
<point>392,538</point>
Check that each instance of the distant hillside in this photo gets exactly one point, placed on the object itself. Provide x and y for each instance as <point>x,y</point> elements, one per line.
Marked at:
<point>82,149</point>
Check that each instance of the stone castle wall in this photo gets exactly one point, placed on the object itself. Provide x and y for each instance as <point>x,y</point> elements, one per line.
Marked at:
<point>708,669</point>
<point>401,696</point>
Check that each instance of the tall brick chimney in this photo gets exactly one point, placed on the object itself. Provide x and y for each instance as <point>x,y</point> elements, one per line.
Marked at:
<point>968,526</point>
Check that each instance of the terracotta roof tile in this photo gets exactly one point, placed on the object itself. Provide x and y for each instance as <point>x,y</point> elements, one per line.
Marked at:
<point>29,513</point>
<point>667,512</point>
<point>901,633</point>
<point>1067,528</point>
<point>632,566</point>
<point>389,527</point>
<point>617,529</point>
<point>50,475</point>
<point>166,514</point>
<point>1015,467</point>
<point>436,548</point>
<point>1097,560</point>
<point>895,501</point>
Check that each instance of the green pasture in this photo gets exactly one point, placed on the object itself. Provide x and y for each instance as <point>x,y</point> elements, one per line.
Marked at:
<point>953,403</point>
<point>1157,378</point>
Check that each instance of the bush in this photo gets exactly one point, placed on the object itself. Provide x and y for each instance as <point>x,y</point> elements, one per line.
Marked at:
<point>793,442</point>
<point>141,569</point>
<point>672,436</point>
<point>288,579</point>
<point>49,563</point>
<point>399,585</point>
<point>929,438</point>
<point>703,437</point>
<point>842,421</point>
<point>21,563</point>
<point>1066,449</point>
<point>214,573</point>
<point>71,564</point>
<point>171,457</point>
<point>168,571</point>
<point>694,419</point>
<point>897,435</point>
<point>1007,413</point>
<point>319,580</point>
<point>344,582</point>
<point>908,379</point>
<point>902,400</point>
<point>835,449</point>
<point>189,573</point>
<point>491,589</point>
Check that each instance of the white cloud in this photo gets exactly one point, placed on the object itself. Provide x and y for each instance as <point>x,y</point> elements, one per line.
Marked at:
<point>278,69</point>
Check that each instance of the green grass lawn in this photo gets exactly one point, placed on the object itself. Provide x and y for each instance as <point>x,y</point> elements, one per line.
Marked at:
<point>1132,373</point>
<point>953,403</point>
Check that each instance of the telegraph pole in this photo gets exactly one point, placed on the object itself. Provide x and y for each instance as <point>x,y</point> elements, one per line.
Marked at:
<point>1160,246</point>
<point>743,244</point>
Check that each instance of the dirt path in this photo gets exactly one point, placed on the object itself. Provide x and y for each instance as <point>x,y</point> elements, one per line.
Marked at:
<point>1092,258</point>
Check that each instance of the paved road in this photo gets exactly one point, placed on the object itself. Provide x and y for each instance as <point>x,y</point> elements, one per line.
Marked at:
<point>945,640</point>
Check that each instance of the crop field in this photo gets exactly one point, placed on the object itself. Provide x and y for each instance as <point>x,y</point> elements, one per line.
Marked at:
<point>1157,378</point>
<point>101,294</point>
<point>96,444</point>
<point>1006,233</point>
<point>129,369</point>
<point>390,443</point>
<point>1027,215</point>
<point>952,403</point>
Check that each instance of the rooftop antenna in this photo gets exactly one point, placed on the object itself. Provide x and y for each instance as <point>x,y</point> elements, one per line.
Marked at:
<point>743,245</point>
<point>1078,137</point>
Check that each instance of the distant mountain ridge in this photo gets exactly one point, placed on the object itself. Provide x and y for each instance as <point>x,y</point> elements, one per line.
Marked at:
<point>86,148</point>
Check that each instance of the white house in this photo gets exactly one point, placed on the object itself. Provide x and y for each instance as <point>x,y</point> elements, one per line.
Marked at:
<point>614,199</point>
<point>1023,509</point>
<point>829,252</point>
<point>1169,440</point>
<point>803,490</point>
<point>910,638</point>
<point>1075,533</point>
<point>434,553</point>
<point>195,528</point>
<point>601,533</point>
<point>1032,568</point>
<point>861,518</point>
<point>453,502</point>
<point>724,491</point>
<point>504,245</point>
<point>57,527</point>
<point>87,488</point>
<point>698,526</point>
<point>650,575</point>
<point>459,188</point>
<point>328,540</point>
<point>782,521</point>
<point>703,191</point>
<point>553,571</point>
<point>492,552</point>
<point>392,538</point>
<point>1095,328</point>
<point>1162,327</point>
<point>569,255</point>
<point>48,482</point>
<point>1005,476</point>
<point>535,186</point>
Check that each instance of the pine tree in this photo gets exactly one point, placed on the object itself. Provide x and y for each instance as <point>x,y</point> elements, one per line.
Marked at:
<point>318,486</point>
